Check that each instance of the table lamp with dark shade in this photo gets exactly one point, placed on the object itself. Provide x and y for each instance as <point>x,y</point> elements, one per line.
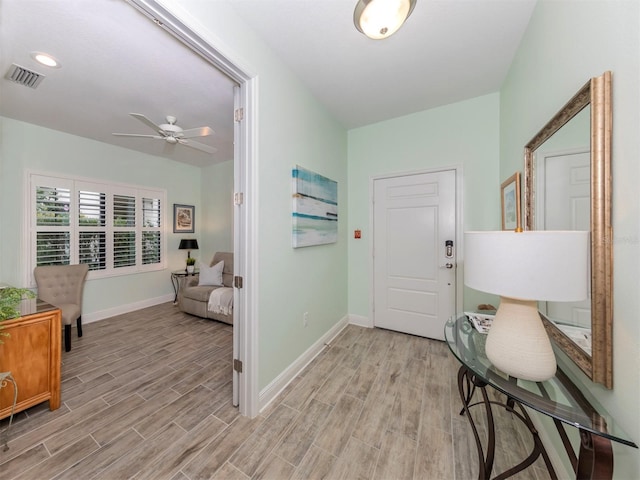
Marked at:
<point>524,268</point>
<point>188,244</point>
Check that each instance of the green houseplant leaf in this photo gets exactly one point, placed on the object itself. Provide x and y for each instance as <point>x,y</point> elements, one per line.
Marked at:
<point>10,298</point>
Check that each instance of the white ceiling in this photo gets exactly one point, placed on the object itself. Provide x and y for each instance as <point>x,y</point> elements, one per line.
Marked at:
<point>447,51</point>
<point>115,61</point>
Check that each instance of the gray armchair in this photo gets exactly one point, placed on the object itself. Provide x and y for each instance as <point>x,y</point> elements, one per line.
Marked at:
<point>193,298</point>
<point>62,286</point>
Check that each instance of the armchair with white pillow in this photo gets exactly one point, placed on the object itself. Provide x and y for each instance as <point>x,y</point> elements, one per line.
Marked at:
<point>196,294</point>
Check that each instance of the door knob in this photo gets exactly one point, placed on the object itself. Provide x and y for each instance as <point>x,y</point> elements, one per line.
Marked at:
<point>448,265</point>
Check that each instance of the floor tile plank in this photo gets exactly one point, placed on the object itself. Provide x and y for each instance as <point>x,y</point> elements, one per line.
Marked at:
<point>147,395</point>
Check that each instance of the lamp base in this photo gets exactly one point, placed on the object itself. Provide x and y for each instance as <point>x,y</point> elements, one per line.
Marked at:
<point>518,343</point>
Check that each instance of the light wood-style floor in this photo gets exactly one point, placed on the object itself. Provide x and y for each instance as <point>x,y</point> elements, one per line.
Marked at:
<point>147,395</point>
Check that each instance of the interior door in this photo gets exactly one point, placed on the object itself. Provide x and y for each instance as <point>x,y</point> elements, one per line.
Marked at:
<point>414,252</point>
<point>238,214</point>
<point>563,182</point>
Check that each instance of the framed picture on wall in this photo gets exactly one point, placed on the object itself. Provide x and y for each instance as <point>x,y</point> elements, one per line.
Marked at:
<point>184,218</point>
<point>510,200</point>
<point>315,208</point>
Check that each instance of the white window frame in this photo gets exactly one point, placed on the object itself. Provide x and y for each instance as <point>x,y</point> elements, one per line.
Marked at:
<point>76,184</point>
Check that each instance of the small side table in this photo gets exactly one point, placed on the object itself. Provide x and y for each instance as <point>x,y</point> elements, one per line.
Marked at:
<point>176,275</point>
<point>559,398</point>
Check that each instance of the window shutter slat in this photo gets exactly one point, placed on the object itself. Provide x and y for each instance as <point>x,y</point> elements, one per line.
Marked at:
<point>151,212</point>
<point>151,248</point>
<point>124,249</point>
<point>124,211</point>
<point>92,208</point>
<point>53,248</point>
<point>151,235</point>
<point>52,206</point>
<point>93,249</point>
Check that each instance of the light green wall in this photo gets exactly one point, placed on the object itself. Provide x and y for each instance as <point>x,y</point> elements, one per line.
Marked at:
<point>462,134</point>
<point>29,147</point>
<point>293,129</point>
<point>566,43</point>
<point>216,229</point>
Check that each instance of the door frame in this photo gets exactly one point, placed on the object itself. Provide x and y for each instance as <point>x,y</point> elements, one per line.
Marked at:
<point>458,171</point>
<point>245,329</point>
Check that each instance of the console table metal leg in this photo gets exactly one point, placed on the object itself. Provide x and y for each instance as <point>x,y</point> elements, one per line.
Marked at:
<point>467,383</point>
<point>595,460</point>
<point>537,450</point>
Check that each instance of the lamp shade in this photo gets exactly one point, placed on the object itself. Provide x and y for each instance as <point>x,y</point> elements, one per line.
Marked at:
<point>188,244</point>
<point>379,19</point>
<point>532,265</point>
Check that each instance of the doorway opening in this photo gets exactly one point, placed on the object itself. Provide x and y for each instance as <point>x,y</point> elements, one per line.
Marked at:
<point>245,248</point>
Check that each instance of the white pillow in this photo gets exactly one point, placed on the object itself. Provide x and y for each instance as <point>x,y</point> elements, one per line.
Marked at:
<point>211,275</point>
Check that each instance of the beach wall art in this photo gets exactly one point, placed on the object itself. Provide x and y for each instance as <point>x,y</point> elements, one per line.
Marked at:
<point>315,208</point>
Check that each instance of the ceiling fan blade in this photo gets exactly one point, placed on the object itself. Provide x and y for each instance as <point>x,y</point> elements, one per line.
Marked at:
<point>147,122</point>
<point>197,132</point>
<point>137,135</point>
<point>198,146</point>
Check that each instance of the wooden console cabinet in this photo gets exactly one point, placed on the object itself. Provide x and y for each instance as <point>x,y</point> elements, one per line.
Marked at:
<point>32,355</point>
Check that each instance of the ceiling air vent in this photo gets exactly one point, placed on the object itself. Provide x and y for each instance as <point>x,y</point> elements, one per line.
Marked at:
<point>23,76</point>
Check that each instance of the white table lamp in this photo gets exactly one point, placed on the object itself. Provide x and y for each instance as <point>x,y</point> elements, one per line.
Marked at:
<point>523,268</point>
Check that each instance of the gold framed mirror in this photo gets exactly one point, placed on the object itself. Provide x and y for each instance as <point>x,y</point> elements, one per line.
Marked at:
<point>567,186</point>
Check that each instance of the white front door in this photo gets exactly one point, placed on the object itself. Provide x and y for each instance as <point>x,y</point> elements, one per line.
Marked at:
<point>414,270</point>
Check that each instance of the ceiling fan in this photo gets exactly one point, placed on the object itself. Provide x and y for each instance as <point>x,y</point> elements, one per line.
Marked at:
<point>173,134</point>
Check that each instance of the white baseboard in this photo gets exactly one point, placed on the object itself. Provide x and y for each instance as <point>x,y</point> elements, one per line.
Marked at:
<point>126,308</point>
<point>271,391</point>
<point>360,320</point>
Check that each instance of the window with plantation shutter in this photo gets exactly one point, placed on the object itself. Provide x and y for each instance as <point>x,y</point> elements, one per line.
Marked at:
<point>52,219</point>
<point>52,206</point>
<point>124,235</point>
<point>92,223</point>
<point>124,211</point>
<point>150,247</point>
<point>93,249</point>
<point>124,249</point>
<point>151,223</point>
<point>53,248</point>
<point>117,229</point>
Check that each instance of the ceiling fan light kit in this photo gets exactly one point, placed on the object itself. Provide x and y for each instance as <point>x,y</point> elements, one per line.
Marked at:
<point>172,133</point>
<point>379,19</point>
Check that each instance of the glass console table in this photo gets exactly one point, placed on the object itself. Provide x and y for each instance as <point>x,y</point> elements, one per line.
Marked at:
<point>557,398</point>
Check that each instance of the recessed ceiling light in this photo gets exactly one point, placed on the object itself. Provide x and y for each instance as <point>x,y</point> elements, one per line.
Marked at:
<point>45,59</point>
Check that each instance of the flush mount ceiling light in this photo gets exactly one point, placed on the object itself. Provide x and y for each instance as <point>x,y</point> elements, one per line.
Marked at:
<point>45,59</point>
<point>379,19</point>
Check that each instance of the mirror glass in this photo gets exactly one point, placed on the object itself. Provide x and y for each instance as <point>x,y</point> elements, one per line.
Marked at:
<point>568,187</point>
<point>562,181</point>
